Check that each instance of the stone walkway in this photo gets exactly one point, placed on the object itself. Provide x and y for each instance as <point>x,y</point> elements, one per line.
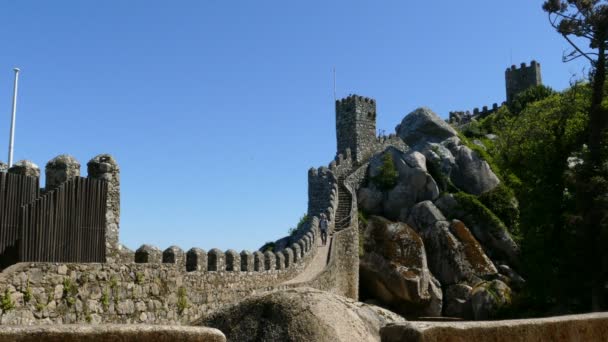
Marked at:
<point>316,266</point>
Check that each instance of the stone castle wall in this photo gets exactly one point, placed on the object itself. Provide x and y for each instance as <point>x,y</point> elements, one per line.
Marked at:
<point>463,117</point>
<point>522,78</point>
<point>159,287</point>
<point>148,285</point>
<point>152,292</point>
<point>356,126</point>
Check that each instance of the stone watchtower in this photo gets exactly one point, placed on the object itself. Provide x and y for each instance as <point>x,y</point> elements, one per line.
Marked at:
<point>518,80</point>
<point>356,126</point>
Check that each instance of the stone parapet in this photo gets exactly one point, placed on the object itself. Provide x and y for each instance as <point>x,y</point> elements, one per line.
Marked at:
<point>588,327</point>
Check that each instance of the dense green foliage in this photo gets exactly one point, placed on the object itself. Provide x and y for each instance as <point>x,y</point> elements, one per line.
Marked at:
<point>501,201</point>
<point>531,155</point>
<point>387,178</point>
<point>531,95</point>
<point>471,205</point>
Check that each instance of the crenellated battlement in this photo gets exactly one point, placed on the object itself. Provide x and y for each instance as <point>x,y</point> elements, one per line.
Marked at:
<point>355,126</point>
<point>354,99</point>
<point>522,67</point>
<point>288,259</point>
<point>522,78</point>
<point>462,117</point>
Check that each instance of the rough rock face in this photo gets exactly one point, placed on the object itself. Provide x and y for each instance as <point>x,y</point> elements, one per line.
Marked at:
<point>109,333</point>
<point>394,270</point>
<point>425,132</point>
<point>575,328</point>
<point>301,314</point>
<point>494,237</point>
<point>422,125</point>
<point>454,256</point>
<point>414,184</point>
<point>472,174</point>
<point>458,301</point>
<point>488,297</point>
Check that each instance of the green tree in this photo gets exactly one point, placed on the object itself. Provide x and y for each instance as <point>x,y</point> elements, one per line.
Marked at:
<point>535,146</point>
<point>528,96</point>
<point>586,21</point>
<point>387,177</point>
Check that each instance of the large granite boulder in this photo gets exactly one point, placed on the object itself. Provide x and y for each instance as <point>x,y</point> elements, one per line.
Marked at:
<point>301,314</point>
<point>487,229</point>
<point>413,184</point>
<point>393,269</point>
<point>454,255</point>
<point>423,125</point>
<point>457,301</point>
<point>428,134</point>
<point>488,297</point>
<point>472,174</point>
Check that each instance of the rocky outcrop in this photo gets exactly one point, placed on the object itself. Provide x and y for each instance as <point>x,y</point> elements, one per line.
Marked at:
<point>471,173</point>
<point>413,184</point>
<point>394,271</point>
<point>423,125</point>
<point>488,297</point>
<point>458,301</point>
<point>454,255</point>
<point>301,314</point>
<point>487,229</point>
<point>425,132</point>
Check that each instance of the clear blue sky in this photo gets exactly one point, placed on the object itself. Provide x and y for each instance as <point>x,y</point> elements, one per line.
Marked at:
<point>215,109</point>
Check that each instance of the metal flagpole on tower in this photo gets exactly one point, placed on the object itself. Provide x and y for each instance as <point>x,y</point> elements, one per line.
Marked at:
<point>12,135</point>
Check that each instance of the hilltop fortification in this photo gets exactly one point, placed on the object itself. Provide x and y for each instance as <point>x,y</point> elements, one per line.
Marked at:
<point>517,80</point>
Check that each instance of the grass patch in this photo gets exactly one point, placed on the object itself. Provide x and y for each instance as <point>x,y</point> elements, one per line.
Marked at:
<point>182,300</point>
<point>6,301</point>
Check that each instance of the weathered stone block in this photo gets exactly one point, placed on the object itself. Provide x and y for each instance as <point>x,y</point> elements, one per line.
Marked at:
<point>148,254</point>
<point>216,260</point>
<point>311,237</point>
<point>270,262</point>
<point>233,261</point>
<point>302,245</point>
<point>173,255</point>
<point>105,167</point>
<point>258,261</point>
<point>288,256</point>
<point>297,252</point>
<point>60,169</point>
<point>247,262</point>
<point>196,260</point>
<point>280,258</point>
<point>25,168</point>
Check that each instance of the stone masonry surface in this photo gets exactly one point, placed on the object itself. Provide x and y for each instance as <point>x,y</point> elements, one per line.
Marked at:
<point>575,328</point>
<point>151,286</point>
<point>110,333</point>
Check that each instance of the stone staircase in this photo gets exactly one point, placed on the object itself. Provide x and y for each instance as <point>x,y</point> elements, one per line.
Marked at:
<point>344,206</point>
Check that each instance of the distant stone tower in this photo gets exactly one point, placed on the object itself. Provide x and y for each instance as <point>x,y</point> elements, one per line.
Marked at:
<point>518,80</point>
<point>356,126</point>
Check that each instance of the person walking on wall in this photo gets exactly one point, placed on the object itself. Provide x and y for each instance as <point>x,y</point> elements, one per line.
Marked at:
<point>323,227</point>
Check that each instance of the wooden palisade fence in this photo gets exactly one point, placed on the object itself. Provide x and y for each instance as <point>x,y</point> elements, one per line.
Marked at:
<point>15,191</point>
<point>66,224</point>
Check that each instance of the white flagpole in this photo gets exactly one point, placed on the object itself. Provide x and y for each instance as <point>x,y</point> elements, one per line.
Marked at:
<point>12,135</point>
